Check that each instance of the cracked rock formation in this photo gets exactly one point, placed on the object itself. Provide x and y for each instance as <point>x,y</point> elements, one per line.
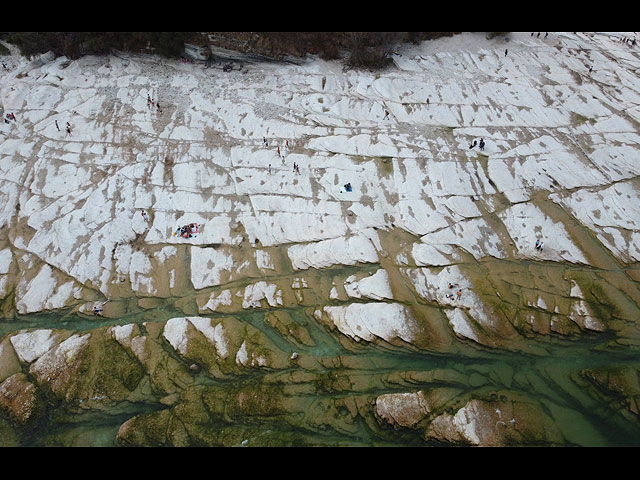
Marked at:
<point>355,278</point>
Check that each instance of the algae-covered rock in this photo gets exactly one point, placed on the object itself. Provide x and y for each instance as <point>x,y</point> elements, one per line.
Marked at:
<point>620,385</point>
<point>289,327</point>
<point>224,346</point>
<point>402,409</point>
<point>494,423</point>
<point>91,369</point>
<point>414,409</point>
<point>146,430</point>
<point>8,435</point>
<point>22,401</point>
<point>9,362</point>
<point>166,375</point>
<point>210,416</point>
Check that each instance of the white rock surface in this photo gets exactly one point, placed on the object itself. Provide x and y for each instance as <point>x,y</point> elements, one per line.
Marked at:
<point>526,223</point>
<point>29,346</point>
<point>338,251</point>
<point>374,287</point>
<point>366,321</point>
<point>548,124</point>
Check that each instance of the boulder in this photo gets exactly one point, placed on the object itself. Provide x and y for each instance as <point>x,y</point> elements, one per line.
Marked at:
<point>495,423</point>
<point>22,401</point>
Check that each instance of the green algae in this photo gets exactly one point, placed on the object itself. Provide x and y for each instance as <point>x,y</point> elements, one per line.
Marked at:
<point>326,395</point>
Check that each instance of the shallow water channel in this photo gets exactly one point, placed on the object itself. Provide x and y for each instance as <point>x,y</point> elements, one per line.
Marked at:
<point>543,365</point>
<point>550,378</point>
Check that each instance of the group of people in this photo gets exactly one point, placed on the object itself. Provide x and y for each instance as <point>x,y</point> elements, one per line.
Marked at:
<point>539,245</point>
<point>187,231</point>
<point>481,144</point>
<point>67,127</point>
<point>538,35</point>
<point>296,168</point>
<point>281,154</point>
<point>9,116</point>
<point>628,41</point>
<point>153,104</point>
<point>458,292</point>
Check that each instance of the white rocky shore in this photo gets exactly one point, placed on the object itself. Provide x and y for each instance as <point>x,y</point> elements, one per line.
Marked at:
<point>73,202</point>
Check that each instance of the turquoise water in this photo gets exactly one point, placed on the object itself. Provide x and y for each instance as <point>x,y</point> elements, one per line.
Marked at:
<point>550,379</point>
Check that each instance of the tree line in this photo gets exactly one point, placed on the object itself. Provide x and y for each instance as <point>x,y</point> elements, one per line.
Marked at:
<point>358,49</point>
